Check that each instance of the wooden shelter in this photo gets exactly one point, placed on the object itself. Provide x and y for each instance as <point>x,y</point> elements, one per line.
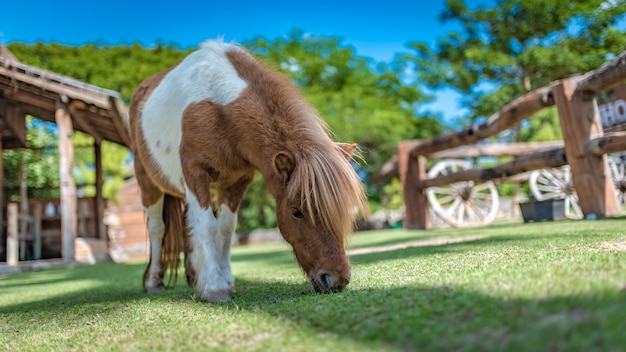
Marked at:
<point>128,233</point>
<point>72,105</point>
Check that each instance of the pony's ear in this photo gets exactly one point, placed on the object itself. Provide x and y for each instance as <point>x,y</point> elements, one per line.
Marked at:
<point>347,149</point>
<point>284,163</point>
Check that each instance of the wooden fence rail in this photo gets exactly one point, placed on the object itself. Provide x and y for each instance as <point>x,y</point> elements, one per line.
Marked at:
<point>511,115</point>
<point>541,160</point>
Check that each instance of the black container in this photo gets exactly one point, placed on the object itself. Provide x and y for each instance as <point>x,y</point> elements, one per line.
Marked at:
<point>542,210</point>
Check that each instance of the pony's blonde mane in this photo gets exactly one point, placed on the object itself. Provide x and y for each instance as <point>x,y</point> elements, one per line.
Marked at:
<point>328,186</point>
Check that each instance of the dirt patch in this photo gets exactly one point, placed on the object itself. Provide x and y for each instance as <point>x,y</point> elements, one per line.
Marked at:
<point>611,247</point>
<point>437,241</point>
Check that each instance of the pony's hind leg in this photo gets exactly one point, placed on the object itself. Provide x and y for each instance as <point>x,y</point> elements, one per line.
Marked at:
<point>190,272</point>
<point>153,200</point>
<point>153,276</point>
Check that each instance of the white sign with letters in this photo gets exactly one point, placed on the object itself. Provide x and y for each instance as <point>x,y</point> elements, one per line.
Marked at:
<point>613,113</point>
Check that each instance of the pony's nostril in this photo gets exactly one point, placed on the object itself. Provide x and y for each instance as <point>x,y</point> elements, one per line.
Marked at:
<point>326,281</point>
<point>323,282</point>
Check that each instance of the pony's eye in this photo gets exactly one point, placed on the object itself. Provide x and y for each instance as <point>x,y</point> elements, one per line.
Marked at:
<point>297,213</point>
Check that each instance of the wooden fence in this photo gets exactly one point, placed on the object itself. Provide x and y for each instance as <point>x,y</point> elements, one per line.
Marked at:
<point>584,144</point>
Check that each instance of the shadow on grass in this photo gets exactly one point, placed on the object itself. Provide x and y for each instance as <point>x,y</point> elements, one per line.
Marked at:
<point>441,318</point>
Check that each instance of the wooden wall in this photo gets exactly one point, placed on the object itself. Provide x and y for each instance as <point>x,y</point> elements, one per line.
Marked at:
<point>47,212</point>
<point>126,221</point>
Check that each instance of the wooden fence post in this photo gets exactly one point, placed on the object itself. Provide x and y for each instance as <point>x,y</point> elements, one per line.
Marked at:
<point>580,121</point>
<point>412,170</point>
<point>1,187</point>
<point>37,214</point>
<point>99,201</point>
<point>12,235</point>
<point>23,219</point>
<point>68,188</point>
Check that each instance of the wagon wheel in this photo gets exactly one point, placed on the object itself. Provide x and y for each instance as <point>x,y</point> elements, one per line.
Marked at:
<point>463,203</point>
<point>556,184</point>
<point>618,175</point>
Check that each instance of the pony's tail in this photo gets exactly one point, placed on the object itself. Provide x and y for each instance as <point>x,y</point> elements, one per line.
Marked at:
<point>175,236</point>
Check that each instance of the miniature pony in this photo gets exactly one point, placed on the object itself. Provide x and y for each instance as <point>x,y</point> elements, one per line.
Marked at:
<point>200,131</point>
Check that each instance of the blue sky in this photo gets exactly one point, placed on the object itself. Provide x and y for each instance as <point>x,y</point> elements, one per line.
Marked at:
<point>377,29</point>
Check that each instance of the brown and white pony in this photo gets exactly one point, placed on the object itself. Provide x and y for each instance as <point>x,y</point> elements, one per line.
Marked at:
<point>200,130</point>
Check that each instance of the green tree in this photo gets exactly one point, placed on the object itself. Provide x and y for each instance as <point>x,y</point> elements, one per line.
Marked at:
<point>362,101</point>
<point>544,126</point>
<point>516,46</point>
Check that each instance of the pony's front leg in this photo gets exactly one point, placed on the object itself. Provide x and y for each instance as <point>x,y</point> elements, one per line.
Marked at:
<point>227,222</point>
<point>153,276</point>
<point>211,284</point>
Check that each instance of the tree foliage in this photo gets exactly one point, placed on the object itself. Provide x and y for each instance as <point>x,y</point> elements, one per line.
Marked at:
<point>363,101</point>
<point>515,46</point>
<point>40,166</point>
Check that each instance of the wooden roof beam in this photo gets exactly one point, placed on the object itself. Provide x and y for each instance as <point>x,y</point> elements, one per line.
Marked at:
<point>29,99</point>
<point>15,119</point>
<point>75,108</point>
<point>511,115</point>
<point>94,98</point>
<point>120,119</point>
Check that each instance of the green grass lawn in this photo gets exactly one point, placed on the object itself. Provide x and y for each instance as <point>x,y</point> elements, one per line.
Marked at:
<point>555,286</point>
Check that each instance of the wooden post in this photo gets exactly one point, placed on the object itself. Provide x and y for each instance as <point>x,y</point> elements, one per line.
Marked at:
<point>1,186</point>
<point>12,236</point>
<point>23,221</point>
<point>99,206</point>
<point>37,213</point>
<point>68,188</point>
<point>412,170</point>
<point>515,200</point>
<point>580,121</point>
<point>15,120</point>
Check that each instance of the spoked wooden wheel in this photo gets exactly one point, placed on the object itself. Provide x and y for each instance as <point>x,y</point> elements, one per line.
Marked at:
<point>464,203</point>
<point>618,175</point>
<point>556,184</point>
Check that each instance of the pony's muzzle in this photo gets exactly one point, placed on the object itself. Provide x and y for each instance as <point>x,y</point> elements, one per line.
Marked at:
<point>324,282</point>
